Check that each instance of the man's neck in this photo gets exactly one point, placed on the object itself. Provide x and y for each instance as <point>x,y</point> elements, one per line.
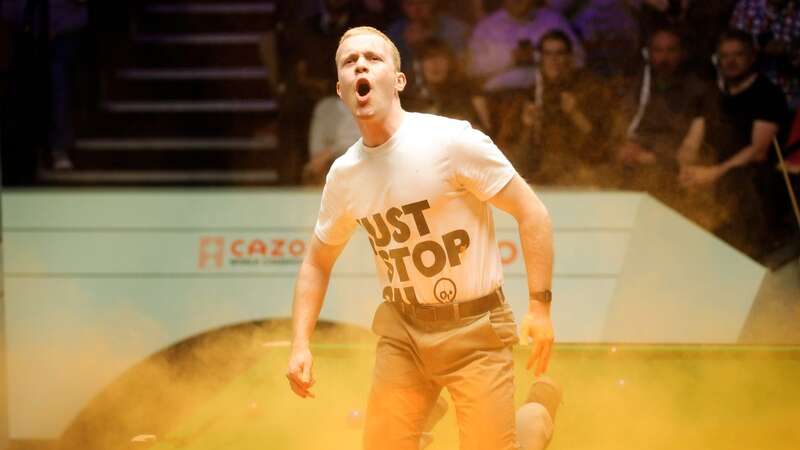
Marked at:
<point>376,131</point>
<point>735,87</point>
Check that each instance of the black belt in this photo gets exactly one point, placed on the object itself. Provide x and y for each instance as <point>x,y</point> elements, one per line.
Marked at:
<point>452,311</point>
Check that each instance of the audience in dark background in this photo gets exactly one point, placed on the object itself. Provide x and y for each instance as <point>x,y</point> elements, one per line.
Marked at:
<point>749,114</point>
<point>332,131</point>
<point>68,21</point>
<point>663,104</point>
<point>600,93</point>
<point>440,88</point>
<point>609,31</point>
<point>774,25</point>
<point>309,77</point>
<point>421,22</point>
<point>502,44</point>
<point>556,129</point>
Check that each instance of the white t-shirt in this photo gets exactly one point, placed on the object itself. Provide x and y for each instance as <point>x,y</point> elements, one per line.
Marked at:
<point>332,127</point>
<point>421,198</point>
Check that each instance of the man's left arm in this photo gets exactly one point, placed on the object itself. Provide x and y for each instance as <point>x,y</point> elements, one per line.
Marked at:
<point>536,236</point>
<point>762,135</point>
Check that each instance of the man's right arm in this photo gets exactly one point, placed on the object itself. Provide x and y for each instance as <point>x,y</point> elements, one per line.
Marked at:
<point>309,294</point>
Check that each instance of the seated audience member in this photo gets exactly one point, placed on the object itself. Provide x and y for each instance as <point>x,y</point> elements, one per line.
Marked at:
<point>422,22</point>
<point>441,89</point>
<point>558,129</point>
<point>308,76</point>
<point>469,11</point>
<point>663,111</point>
<point>774,25</point>
<point>701,21</point>
<point>502,44</point>
<point>376,13</point>
<point>749,115</point>
<point>609,31</point>
<point>333,130</point>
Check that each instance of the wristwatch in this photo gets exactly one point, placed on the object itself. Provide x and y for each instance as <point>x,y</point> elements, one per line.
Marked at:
<point>542,296</point>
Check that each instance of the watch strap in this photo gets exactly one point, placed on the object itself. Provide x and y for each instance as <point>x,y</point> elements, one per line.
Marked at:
<point>542,296</point>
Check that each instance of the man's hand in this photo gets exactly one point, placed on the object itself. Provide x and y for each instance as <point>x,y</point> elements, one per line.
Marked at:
<point>569,103</point>
<point>530,114</point>
<point>694,176</point>
<point>299,372</point>
<point>632,153</point>
<point>536,325</point>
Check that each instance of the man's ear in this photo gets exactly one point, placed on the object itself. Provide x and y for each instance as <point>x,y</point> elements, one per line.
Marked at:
<point>400,81</point>
<point>338,89</point>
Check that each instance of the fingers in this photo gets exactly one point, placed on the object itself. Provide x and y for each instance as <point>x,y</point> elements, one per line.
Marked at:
<point>300,389</point>
<point>306,376</point>
<point>525,333</point>
<point>544,359</point>
<point>300,376</point>
<point>537,349</point>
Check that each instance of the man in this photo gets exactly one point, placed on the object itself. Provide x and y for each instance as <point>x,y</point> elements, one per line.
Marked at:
<point>421,22</point>
<point>502,44</point>
<point>441,88</point>
<point>662,122</point>
<point>308,78</point>
<point>333,130</point>
<point>750,113</point>
<point>421,186</point>
<point>420,25</point>
<point>555,133</point>
<point>775,27</point>
<point>609,32</point>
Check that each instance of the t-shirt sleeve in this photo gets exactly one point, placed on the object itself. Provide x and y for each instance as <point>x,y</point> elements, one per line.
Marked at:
<point>478,164</point>
<point>771,105</point>
<point>334,223</point>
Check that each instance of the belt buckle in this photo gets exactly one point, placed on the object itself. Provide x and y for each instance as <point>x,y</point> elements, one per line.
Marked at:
<point>431,308</point>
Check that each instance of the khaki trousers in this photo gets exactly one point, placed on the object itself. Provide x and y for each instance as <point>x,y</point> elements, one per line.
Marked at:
<point>470,357</point>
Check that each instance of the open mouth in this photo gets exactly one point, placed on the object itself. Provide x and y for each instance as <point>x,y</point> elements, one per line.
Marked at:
<point>363,87</point>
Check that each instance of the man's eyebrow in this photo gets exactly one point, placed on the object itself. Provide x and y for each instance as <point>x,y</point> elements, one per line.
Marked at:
<point>345,56</point>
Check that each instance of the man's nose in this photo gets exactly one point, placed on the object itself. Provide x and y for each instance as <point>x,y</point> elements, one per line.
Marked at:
<point>361,65</point>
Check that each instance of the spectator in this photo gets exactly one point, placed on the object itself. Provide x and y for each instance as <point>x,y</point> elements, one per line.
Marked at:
<point>657,14</point>
<point>442,89</point>
<point>301,9</point>
<point>469,11</point>
<point>501,47</point>
<point>68,20</point>
<point>663,114</point>
<point>333,130</point>
<point>562,123</point>
<point>608,30</point>
<point>751,111</point>
<point>309,78</point>
<point>421,23</point>
<point>701,22</point>
<point>377,13</point>
<point>774,25</point>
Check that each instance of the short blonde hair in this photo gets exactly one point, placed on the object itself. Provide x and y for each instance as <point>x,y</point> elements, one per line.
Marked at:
<point>356,31</point>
